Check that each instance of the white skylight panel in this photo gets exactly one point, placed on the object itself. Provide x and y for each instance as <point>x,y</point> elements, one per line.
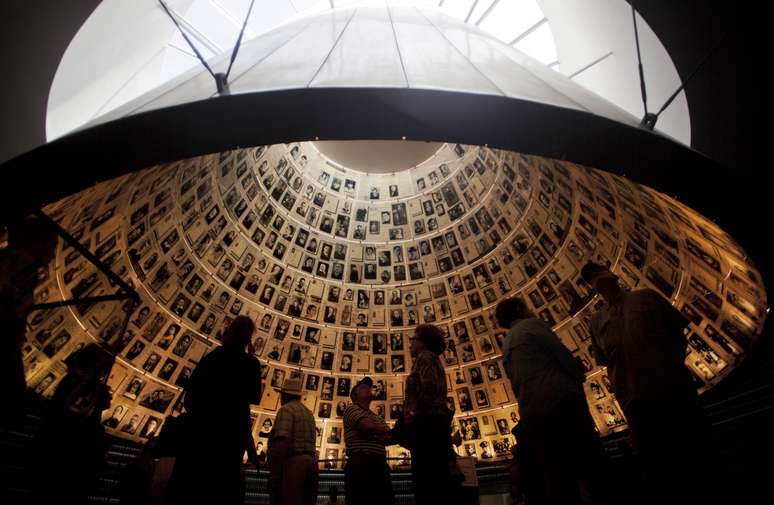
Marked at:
<point>457,8</point>
<point>210,21</point>
<point>480,9</point>
<point>203,45</point>
<point>266,13</point>
<point>177,59</point>
<point>302,5</point>
<point>539,44</point>
<point>511,18</point>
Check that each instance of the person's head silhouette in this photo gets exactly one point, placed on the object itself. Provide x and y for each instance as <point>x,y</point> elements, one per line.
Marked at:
<point>239,333</point>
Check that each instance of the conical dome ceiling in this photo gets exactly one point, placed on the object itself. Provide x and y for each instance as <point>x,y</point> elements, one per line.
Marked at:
<point>337,265</point>
<point>383,47</point>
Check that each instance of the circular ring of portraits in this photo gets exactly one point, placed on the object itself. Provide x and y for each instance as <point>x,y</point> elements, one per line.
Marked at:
<point>336,267</point>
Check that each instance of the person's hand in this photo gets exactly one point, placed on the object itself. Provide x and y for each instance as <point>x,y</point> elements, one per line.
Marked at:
<point>384,438</point>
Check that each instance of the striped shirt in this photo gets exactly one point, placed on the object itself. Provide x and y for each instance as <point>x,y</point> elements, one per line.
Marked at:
<point>295,422</point>
<point>356,440</point>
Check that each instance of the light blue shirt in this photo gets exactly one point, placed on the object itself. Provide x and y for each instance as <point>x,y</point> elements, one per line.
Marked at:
<point>541,369</point>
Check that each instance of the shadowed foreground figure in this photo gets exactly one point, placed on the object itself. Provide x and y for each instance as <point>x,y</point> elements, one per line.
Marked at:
<point>23,263</point>
<point>70,447</point>
<point>556,436</point>
<point>425,428</point>
<point>215,432</point>
<point>639,336</point>
<point>292,457</point>
<point>366,474</point>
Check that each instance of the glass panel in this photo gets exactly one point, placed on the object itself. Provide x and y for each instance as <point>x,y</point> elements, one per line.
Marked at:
<point>212,24</point>
<point>296,63</point>
<point>366,54</point>
<point>265,15</point>
<point>457,8</point>
<point>488,57</point>
<point>539,44</point>
<point>431,61</point>
<point>480,9</point>
<point>511,18</point>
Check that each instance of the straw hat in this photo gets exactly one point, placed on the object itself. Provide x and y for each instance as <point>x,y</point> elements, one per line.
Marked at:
<point>291,386</point>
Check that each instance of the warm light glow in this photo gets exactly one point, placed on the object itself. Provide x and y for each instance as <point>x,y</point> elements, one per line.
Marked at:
<point>337,267</point>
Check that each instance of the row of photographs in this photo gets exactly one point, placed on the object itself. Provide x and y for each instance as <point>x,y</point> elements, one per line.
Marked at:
<point>305,164</point>
<point>327,214</point>
<point>634,224</point>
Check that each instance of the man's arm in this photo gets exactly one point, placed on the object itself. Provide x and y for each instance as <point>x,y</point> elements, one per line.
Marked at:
<point>257,391</point>
<point>599,355</point>
<point>196,383</point>
<point>358,418</point>
<point>278,454</point>
<point>674,321</point>
<point>549,341</point>
<point>370,427</point>
<point>280,442</point>
<point>379,430</point>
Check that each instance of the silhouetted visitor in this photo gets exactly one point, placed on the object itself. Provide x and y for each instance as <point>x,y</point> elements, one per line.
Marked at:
<point>70,445</point>
<point>548,384</point>
<point>217,422</point>
<point>292,457</point>
<point>639,336</point>
<point>425,428</point>
<point>29,249</point>
<point>366,474</point>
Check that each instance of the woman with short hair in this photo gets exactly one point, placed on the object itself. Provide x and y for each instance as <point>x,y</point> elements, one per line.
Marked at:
<point>425,428</point>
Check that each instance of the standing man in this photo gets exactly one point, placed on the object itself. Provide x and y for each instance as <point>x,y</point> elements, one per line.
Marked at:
<point>366,474</point>
<point>638,335</point>
<point>219,393</point>
<point>292,457</point>
<point>556,427</point>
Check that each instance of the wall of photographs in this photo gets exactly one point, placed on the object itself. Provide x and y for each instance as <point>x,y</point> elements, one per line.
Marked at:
<point>336,267</point>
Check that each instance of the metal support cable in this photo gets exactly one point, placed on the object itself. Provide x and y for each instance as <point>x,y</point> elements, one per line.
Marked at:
<point>239,39</point>
<point>193,47</point>
<point>639,62</point>
<point>129,290</point>
<point>693,73</point>
<point>82,301</point>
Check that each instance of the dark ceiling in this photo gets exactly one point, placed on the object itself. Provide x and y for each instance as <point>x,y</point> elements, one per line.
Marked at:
<point>724,97</point>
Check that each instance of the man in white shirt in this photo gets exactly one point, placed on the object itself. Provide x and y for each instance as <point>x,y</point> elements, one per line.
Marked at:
<point>555,422</point>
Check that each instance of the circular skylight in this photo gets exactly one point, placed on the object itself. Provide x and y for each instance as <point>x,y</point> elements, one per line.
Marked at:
<point>133,47</point>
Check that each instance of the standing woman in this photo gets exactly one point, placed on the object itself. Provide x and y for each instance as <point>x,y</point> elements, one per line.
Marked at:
<point>426,424</point>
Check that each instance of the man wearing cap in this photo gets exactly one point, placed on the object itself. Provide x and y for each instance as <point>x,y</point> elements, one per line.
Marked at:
<point>292,457</point>
<point>366,474</point>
